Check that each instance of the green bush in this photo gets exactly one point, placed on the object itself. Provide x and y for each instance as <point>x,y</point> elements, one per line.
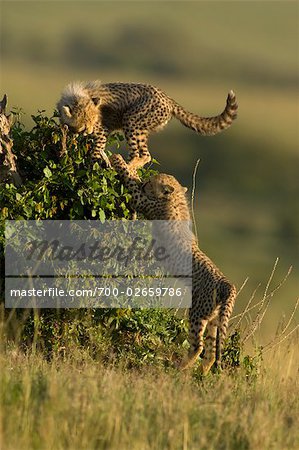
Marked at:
<point>71,187</point>
<point>54,187</point>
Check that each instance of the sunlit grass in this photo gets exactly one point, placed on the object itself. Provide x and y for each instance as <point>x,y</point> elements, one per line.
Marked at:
<point>78,403</point>
<point>73,400</point>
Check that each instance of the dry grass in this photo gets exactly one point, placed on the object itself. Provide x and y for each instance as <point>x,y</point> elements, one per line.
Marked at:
<point>77,403</point>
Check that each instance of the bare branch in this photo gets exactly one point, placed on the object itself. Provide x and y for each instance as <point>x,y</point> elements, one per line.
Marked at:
<point>63,149</point>
<point>3,104</point>
<point>8,167</point>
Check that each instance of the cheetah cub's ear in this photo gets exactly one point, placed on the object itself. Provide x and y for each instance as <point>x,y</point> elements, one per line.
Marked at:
<point>10,119</point>
<point>185,189</point>
<point>96,101</point>
<point>67,110</point>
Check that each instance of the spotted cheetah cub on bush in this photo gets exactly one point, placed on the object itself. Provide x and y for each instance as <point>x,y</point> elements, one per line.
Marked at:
<point>136,109</point>
<point>213,296</point>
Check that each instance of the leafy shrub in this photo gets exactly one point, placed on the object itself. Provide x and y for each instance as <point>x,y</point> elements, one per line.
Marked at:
<point>55,187</point>
<point>233,356</point>
<point>71,187</point>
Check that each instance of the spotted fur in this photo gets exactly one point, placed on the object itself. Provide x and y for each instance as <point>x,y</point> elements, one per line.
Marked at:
<point>136,109</point>
<point>213,296</point>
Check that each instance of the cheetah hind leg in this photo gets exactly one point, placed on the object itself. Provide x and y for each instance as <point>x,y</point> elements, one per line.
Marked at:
<point>139,155</point>
<point>224,315</point>
<point>218,350</point>
<point>210,346</point>
<point>196,333</point>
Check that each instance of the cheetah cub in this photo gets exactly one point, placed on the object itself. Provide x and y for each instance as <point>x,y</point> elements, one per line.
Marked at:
<point>213,296</point>
<point>136,109</point>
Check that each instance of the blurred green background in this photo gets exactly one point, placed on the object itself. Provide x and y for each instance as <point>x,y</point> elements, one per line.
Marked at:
<point>247,182</point>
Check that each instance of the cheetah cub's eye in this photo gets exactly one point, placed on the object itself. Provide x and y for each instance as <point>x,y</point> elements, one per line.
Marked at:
<point>67,110</point>
<point>167,189</point>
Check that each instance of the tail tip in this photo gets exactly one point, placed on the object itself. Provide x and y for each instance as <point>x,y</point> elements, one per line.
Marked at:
<point>232,104</point>
<point>231,94</point>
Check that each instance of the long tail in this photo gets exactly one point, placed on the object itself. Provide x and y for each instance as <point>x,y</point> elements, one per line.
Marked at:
<point>208,126</point>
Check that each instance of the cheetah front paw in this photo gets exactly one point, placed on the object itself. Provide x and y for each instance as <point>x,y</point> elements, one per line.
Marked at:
<point>101,157</point>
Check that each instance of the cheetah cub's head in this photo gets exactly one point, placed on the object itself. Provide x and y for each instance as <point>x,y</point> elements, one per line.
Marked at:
<point>163,186</point>
<point>77,109</point>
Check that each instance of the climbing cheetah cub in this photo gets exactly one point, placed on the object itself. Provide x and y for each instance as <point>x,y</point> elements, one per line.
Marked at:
<point>213,296</point>
<point>136,109</point>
